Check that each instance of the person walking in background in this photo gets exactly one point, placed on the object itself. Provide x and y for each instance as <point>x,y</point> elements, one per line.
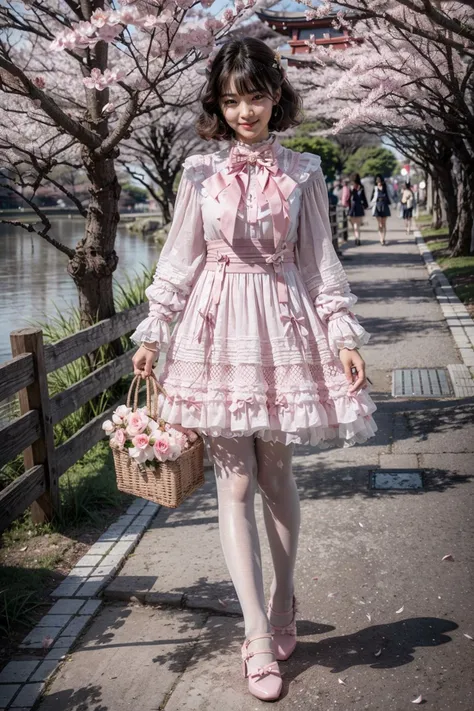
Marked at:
<point>357,206</point>
<point>332,197</point>
<point>408,203</point>
<point>381,206</point>
<point>345,194</point>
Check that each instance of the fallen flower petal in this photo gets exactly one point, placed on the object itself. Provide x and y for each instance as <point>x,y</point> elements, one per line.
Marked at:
<point>315,578</point>
<point>468,635</point>
<point>397,612</point>
<point>47,642</point>
<point>447,557</point>
<point>341,681</point>
<point>222,602</point>
<point>418,700</point>
<point>369,617</point>
<point>378,653</point>
<point>361,524</point>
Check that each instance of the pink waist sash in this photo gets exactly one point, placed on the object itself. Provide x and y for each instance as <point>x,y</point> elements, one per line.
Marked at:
<point>246,257</point>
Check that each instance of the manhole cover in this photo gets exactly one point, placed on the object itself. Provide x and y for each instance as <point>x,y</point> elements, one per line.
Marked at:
<point>420,382</point>
<point>396,479</point>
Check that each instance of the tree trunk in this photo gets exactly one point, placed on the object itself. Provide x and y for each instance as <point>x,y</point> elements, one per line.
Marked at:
<point>95,261</point>
<point>437,220</point>
<point>448,190</point>
<point>460,238</point>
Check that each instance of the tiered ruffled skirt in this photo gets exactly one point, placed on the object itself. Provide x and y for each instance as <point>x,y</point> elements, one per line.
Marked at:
<point>244,371</point>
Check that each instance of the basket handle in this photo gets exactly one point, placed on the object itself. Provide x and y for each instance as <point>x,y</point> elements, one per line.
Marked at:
<point>152,388</point>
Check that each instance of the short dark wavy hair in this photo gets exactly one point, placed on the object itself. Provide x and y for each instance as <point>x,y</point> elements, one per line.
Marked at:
<point>249,61</point>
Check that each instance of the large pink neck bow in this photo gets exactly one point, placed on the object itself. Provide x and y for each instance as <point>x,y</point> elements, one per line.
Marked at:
<point>229,186</point>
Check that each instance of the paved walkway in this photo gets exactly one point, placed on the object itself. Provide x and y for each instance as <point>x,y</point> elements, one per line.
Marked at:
<point>382,617</point>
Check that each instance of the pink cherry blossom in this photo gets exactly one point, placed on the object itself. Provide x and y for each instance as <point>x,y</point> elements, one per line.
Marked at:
<point>99,18</point>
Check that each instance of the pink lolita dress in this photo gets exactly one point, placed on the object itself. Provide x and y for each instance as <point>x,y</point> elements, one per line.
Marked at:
<point>260,301</point>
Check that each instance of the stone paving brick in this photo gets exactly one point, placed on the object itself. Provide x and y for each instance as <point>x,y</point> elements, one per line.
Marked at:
<point>66,589</point>
<point>112,560</point>
<point>75,627</point>
<point>100,548</point>
<point>18,671</point>
<point>89,560</point>
<point>123,548</point>
<point>144,519</point>
<point>66,607</point>
<point>35,639</point>
<point>91,607</point>
<point>50,620</point>
<point>7,692</point>
<point>107,570</point>
<point>64,642</point>
<point>78,573</point>
<point>136,507</point>
<point>93,586</point>
<point>45,670</point>
<point>28,695</point>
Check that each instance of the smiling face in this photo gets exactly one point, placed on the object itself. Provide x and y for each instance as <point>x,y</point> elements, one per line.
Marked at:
<point>247,114</point>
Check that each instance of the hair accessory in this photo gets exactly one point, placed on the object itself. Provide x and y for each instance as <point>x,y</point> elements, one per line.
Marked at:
<point>281,64</point>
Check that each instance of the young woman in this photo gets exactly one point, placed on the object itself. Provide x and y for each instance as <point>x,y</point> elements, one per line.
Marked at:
<point>264,353</point>
<point>381,206</point>
<point>408,202</point>
<point>357,206</point>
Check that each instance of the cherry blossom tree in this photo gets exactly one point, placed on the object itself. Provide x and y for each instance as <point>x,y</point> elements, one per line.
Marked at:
<point>414,90</point>
<point>74,77</point>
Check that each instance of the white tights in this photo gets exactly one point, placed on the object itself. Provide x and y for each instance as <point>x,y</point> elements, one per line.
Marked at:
<point>240,464</point>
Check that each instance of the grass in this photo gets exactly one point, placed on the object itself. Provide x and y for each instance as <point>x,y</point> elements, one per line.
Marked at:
<point>458,270</point>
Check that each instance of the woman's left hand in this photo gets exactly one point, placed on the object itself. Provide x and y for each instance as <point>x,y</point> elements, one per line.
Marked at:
<point>351,359</point>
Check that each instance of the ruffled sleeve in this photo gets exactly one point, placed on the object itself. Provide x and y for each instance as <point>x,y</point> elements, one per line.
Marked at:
<point>181,260</point>
<point>322,270</point>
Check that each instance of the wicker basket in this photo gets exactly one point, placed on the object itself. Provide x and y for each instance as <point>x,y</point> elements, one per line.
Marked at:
<point>165,483</point>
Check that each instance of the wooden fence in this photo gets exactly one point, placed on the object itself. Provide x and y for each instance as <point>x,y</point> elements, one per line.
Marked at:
<point>32,432</point>
<point>339,225</point>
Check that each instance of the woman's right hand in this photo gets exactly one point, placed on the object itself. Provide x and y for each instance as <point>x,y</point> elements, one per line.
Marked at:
<point>144,359</point>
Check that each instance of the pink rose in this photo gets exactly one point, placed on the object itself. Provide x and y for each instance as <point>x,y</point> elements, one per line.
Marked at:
<point>119,438</point>
<point>141,441</point>
<point>166,448</point>
<point>137,423</point>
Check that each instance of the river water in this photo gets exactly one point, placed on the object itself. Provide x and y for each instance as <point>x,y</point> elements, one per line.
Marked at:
<point>33,276</point>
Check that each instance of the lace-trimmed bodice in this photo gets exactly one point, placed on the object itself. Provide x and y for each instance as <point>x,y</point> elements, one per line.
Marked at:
<point>302,167</point>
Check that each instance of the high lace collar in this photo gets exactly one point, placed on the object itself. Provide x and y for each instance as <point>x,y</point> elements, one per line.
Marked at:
<point>271,140</point>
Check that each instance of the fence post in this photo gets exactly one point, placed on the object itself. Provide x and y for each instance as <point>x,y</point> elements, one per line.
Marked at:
<point>36,397</point>
<point>334,228</point>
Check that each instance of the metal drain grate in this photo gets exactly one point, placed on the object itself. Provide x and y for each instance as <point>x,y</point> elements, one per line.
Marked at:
<point>396,479</point>
<point>420,382</point>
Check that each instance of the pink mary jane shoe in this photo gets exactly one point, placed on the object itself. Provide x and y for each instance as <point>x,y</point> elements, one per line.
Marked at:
<point>264,682</point>
<point>284,638</point>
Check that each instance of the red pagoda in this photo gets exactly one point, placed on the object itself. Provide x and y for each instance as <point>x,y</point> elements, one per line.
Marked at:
<point>295,26</point>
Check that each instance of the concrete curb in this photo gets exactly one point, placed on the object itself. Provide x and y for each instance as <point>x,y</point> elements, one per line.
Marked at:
<point>22,681</point>
<point>457,318</point>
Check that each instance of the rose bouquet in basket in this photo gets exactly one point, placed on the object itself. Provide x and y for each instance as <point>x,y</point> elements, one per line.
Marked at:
<point>144,438</point>
<point>153,459</point>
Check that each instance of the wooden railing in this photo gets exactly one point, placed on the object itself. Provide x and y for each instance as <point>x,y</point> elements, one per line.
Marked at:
<point>32,432</point>
<point>339,225</point>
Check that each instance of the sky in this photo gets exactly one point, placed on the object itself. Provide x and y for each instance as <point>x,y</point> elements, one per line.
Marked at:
<point>284,5</point>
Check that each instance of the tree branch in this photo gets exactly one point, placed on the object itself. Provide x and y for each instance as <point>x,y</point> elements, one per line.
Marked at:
<point>74,128</point>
